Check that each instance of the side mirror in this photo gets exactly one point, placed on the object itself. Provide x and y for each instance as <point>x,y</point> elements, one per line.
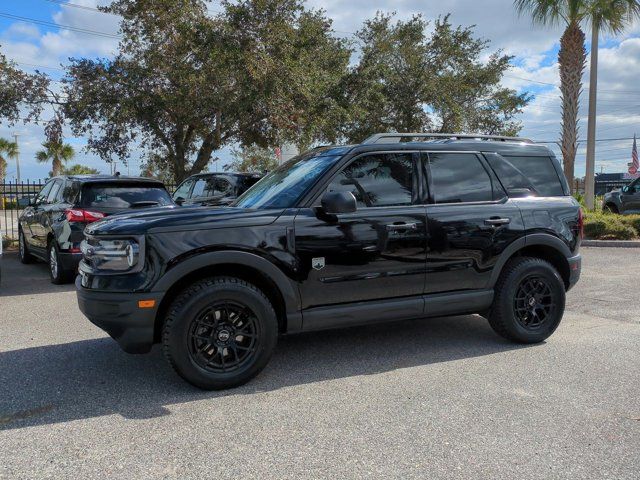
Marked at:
<point>179,200</point>
<point>625,189</point>
<point>338,202</point>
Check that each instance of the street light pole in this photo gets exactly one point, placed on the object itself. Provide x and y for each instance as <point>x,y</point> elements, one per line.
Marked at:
<point>589,179</point>
<point>15,137</point>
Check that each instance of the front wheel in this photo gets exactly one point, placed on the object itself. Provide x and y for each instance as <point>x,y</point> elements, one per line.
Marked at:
<point>529,301</point>
<point>219,333</point>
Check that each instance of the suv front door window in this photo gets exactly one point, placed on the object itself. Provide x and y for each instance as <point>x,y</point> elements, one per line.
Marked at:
<point>373,253</point>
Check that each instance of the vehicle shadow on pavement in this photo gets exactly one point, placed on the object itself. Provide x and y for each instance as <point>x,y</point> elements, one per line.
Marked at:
<point>32,279</point>
<point>91,378</point>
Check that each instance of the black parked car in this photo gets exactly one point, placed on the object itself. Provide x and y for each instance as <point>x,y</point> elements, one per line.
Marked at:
<point>213,188</point>
<point>625,201</point>
<point>339,236</point>
<point>51,227</point>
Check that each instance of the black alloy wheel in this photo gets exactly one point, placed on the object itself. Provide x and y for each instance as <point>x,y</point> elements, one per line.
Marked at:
<point>219,333</point>
<point>224,337</point>
<point>529,300</point>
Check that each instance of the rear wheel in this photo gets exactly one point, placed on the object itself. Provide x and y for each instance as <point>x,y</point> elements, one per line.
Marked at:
<point>57,273</point>
<point>23,248</point>
<point>610,208</point>
<point>529,301</point>
<point>219,333</point>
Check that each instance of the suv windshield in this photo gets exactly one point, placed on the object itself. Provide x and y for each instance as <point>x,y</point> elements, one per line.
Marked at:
<point>283,187</point>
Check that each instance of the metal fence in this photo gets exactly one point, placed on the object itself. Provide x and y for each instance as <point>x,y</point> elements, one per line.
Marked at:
<point>14,197</point>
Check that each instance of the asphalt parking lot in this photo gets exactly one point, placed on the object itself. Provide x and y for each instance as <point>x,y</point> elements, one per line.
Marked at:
<point>438,398</point>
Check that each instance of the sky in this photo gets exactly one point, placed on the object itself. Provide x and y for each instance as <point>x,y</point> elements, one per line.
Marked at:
<point>32,34</point>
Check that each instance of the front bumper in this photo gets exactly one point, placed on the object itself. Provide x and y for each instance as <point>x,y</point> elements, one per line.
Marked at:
<point>119,314</point>
<point>575,267</point>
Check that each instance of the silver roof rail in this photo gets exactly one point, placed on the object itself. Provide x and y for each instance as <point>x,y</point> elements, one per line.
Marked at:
<point>396,137</point>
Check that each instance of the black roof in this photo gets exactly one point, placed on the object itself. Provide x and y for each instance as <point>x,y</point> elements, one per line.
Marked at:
<point>233,174</point>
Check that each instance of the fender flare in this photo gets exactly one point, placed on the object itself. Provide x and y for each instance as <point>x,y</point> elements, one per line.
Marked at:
<point>543,239</point>
<point>289,293</point>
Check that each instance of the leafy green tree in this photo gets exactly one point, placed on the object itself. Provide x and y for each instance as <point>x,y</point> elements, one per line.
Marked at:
<point>187,84</point>
<point>21,95</point>
<point>78,169</point>
<point>410,80</point>
<point>608,15</point>
<point>8,149</point>
<point>57,154</point>
<point>252,159</point>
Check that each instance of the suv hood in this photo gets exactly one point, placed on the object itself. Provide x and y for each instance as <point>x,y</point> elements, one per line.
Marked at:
<point>173,218</point>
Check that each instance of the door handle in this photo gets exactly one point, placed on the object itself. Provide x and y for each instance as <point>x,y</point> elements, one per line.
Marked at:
<point>399,227</point>
<point>495,221</point>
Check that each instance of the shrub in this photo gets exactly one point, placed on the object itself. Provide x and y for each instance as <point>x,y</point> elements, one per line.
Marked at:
<point>599,226</point>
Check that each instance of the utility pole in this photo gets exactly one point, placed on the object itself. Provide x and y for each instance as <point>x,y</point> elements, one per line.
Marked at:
<point>15,137</point>
<point>589,178</point>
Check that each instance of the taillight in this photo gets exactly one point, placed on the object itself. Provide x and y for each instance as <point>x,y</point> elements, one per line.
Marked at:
<point>581,223</point>
<point>84,216</point>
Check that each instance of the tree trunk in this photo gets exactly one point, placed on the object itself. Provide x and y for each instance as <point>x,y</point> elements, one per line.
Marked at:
<point>56,167</point>
<point>571,60</point>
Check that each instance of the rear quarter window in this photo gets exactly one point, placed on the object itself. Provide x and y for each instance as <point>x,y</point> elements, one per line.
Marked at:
<point>540,172</point>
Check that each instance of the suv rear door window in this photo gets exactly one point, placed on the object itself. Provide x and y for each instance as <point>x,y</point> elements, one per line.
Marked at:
<point>459,178</point>
<point>122,195</point>
<point>540,172</point>
<point>379,180</point>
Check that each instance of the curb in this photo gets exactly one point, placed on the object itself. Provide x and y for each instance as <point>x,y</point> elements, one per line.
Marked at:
<point>611,243</point>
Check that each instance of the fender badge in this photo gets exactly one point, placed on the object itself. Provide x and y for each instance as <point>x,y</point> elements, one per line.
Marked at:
<point>317,263</point>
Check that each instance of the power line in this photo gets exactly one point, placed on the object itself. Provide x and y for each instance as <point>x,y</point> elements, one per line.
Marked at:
<point>75,5</point>
<point>63,27</point>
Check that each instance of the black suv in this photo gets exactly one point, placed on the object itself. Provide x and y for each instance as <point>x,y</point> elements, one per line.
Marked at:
<point>384,230</point>
<point>213,188</point>
<point>51,227</point>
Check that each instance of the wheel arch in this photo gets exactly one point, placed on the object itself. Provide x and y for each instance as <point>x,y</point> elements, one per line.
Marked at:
<point>543,246</point>
<point>247,266</point>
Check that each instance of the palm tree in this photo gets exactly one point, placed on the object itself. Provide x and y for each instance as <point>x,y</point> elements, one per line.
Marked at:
<point>8,149</point>
<point>56,152</point>
<point>608,15</point>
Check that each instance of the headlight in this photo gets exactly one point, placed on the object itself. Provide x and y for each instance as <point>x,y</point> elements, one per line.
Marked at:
<point>112,255</point>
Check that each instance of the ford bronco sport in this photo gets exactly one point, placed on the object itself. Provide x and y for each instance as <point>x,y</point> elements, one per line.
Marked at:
<point>401,226</point>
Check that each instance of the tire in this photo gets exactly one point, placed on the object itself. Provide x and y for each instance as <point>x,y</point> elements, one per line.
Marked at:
<point>23,249</point>
<point>610,208</point>
<point>206,346</point>
<point>57,274</point>
<point>529,301</point>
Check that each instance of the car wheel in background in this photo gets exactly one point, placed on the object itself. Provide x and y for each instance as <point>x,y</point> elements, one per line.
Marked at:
<point>23,248</point>
<point>219,333</point>
<point>529,301</point>
<point>57,273</point>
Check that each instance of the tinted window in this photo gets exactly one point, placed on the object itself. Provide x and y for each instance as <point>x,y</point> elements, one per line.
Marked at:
<point>459,177</point>
<point>44,193</point>
<point>222,186</point>
<point>540,172</point>
<point>201,188</point>
<point>183,189</point>
<point>53,194</point>
<point>380,180</point>
<point>70,192</point>
<point>513,179</point>
<point>123,196</point>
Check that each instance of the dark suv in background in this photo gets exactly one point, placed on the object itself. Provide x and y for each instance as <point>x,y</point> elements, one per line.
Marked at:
<point>51,227</point>
<point>625,201</point>
<point>213,188</point>
<point>389,229</point>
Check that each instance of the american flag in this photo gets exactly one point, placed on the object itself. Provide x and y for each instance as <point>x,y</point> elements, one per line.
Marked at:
<point>634,166</point>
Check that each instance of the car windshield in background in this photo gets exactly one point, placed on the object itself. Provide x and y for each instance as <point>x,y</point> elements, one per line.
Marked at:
<point>122,196</point>
<point>283,187</point>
